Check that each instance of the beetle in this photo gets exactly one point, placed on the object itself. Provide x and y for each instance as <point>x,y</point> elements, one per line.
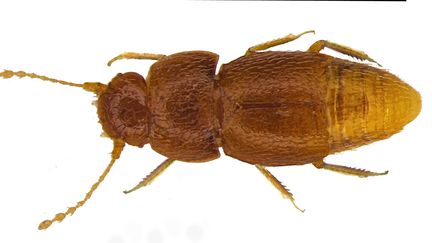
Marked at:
<point>266,108</point>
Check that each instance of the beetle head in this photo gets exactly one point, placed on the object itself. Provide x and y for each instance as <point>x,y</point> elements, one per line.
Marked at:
<point>122,109</point>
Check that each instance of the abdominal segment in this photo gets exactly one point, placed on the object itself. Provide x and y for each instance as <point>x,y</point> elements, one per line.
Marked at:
<point>366,104</point>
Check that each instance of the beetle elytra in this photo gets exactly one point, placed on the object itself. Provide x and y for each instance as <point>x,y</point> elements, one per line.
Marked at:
<point>266,108</point>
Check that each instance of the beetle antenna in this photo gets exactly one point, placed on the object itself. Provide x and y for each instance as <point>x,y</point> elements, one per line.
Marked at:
<point>117,149</point>
<point>94,87</point>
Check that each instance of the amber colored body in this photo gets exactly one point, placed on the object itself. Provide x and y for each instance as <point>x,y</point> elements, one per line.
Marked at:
<point>267,108</point>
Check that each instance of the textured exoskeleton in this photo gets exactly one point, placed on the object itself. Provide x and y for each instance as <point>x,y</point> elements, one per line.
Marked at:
<point>267,108</point>
<point>271,108</point>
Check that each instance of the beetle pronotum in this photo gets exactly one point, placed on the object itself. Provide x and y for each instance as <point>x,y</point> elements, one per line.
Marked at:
<point>266,108</point>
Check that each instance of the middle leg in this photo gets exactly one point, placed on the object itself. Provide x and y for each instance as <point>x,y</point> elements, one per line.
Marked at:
<point>275,42</point>
<point>276,183</point>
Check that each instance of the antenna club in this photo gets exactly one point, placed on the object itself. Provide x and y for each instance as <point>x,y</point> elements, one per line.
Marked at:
<point>7,74</point>
<point>21,74</point>
<point>45,224</point>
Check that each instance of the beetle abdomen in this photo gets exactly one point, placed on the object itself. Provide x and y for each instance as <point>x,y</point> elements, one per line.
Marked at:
<point>366,104</point>
<point>182,107</point>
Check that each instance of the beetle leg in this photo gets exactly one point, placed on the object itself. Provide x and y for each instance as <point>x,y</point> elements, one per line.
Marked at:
<point>276,183</point>
<point>150,177</point>
<point>135,55</point>
<point>275,42</point>
<point>118,148</point>
<point>348,170</point>
<point>321,44</point>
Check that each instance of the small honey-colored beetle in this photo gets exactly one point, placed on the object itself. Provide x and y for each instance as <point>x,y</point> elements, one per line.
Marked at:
<point>266,108</point>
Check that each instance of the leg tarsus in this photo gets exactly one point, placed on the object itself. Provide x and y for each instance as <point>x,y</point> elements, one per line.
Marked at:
<point>276,183</point>
<point>150,177</point>
<point>135,55</point>
<point>118,148</point>
<point>348,170</point>
<point>275,42</point>
<point>321,44</point>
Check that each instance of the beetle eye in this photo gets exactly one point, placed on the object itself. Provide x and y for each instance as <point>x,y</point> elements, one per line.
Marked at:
<point>123,111</point>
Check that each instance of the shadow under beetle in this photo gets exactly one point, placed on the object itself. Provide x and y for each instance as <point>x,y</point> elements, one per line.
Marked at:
<point>270,108</point>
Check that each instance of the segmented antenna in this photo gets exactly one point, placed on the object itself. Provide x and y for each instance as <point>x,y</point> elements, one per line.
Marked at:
<point>94,87</point>
<point>117,149</point>
<point>118,145</point>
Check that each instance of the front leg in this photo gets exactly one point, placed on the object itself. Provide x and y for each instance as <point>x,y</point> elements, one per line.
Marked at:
<point>150,177</point>
<point>135,55</point>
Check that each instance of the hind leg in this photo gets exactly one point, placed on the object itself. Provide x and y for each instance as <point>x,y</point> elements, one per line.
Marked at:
<point>348,170</point>
<point>321,44</point>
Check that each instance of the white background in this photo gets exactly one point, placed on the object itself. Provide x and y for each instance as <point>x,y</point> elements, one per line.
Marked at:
<point>51,152</point>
